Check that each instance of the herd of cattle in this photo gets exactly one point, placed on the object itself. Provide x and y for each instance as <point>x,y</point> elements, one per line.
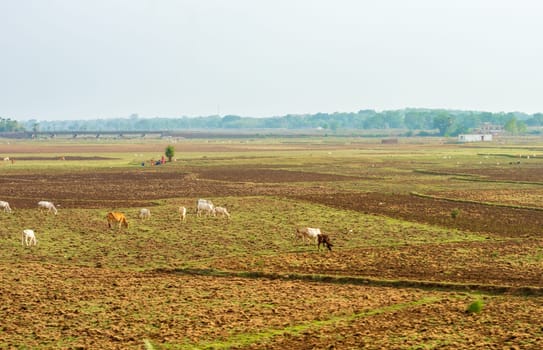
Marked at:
<point>204,206</point>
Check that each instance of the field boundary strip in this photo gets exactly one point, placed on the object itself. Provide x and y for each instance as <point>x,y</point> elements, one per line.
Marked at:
<point>421,195</point>
<point>475,178</point>
<point>244,339</point>
<point>366,281</point>
<point>444,173</point>
<point>141,202</point>
<point>507,155</point>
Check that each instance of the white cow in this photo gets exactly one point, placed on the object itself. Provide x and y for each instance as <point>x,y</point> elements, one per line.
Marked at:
<point>204,206</point>
<point>45,205</point>
<point>28,238</point>
<point>183,213</point>
<point>221,211</point>
<point>6,206</point>
<point>202,201</point>
<point>144,213</point>
<point>309,233</point>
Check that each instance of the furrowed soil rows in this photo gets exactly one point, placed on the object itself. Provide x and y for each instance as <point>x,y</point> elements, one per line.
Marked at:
<point>400,276</point>
<point>510,222</point>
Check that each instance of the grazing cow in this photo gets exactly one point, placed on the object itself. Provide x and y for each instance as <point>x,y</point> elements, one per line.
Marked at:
<point>308,232</point>
<point>221,211</point>
<point>45,205</point>
<point>325,241</point>
<point>6,206</point>
<point>144,213</point>
<point>28,237</point>
<point>204,206</point>
<point>116,217</point>
<point>183,213</point>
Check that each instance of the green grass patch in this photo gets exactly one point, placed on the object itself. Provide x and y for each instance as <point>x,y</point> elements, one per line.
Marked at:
<point>246,339</point>
<point>81,236</point>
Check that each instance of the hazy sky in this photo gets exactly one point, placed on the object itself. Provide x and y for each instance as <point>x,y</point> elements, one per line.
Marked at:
<point>80,59</point>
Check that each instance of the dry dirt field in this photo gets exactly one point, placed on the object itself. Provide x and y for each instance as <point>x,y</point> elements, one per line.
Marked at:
<point>409,290</point>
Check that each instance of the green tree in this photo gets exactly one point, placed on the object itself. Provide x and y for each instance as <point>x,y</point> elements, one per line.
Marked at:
<point>231,121</point>
<point>511,126</point>
<point>522,127</point>
<point>7,124</point>
<point>443,121</point>
<point>393,119</point>
<point>536,120</point>
<point>375,122</point>
<point>169,152</point>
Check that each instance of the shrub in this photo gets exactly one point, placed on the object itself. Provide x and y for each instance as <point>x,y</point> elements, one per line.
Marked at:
<point>169,152</point>
<point>455,213</point>
<point>475,307</point>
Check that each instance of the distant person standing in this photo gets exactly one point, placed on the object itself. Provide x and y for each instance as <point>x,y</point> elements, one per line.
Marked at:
<point>163,160</point>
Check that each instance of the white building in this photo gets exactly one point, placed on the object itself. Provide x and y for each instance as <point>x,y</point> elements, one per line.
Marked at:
<point>488,128</point>
<point>474,137</point>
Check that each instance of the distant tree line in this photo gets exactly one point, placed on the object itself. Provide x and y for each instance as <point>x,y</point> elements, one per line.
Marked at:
<point>416,121</point>
<point>7,125</point>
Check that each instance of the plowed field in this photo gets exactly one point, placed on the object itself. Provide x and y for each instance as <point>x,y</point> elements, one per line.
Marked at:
<point>401,274</point>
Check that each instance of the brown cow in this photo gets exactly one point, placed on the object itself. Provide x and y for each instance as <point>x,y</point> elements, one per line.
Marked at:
<point>116,217</point>
<point>325,240</point>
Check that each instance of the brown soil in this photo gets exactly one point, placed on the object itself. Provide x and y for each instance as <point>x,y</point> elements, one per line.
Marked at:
<point>62,158</point>
<point>68,307</point>
<point>514,172</point>
<point>126,307</point>
<point>476,264</point>
<point>510,222</point>
<point>140,186</point>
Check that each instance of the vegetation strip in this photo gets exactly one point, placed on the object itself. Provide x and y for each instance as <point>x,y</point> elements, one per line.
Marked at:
<point>474,179</point>
<point>421,195</point>
<point>427,285</point>
<point>517,156</point>
<point>245,339</point>
<point>444,173</point>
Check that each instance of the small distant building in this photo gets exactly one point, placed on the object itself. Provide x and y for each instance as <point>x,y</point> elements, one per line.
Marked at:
<point>489,128</point>
<point>474,137</point>
<point>389,141</point>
